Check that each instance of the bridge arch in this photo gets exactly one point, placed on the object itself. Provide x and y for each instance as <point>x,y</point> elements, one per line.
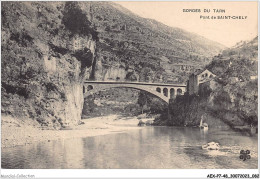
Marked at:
<point>165,92</point>
<point>172,93</point>
<point>162,91</point>
<point>179,91</point>
<point>97,88</point>
<point>158,89</point>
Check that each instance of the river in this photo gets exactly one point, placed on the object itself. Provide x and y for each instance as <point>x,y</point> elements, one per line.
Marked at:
<point>150,147</point>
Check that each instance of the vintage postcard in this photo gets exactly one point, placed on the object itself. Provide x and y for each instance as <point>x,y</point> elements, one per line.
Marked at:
<point>129,85</point>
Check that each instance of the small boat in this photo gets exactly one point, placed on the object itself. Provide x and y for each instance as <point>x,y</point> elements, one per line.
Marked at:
<point>203,125</point>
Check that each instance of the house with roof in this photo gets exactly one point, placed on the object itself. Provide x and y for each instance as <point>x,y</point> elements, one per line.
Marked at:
<point>197,78</point>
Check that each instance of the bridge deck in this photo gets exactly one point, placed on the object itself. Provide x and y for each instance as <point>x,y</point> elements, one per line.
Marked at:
<point>134,83</point>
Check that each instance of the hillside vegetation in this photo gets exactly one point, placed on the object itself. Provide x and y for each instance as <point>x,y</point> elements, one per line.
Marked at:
<point>131,48</point>
<point>50,48</point>
<point>42,73</point>
<point>132,43</point>
<point>231,99</point>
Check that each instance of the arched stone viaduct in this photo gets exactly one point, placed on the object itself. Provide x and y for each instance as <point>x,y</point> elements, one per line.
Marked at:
<point>161,90</point>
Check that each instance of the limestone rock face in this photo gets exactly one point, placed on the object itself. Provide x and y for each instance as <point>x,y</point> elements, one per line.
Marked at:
<point>45,61</point>
<point>133,42</point>
<point>231,99</point>
<point>115,73</point>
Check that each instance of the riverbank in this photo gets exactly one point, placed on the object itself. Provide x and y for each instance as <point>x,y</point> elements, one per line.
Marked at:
<point>16,133</point>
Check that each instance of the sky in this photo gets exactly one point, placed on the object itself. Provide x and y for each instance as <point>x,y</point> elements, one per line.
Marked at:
<point>225,31</point>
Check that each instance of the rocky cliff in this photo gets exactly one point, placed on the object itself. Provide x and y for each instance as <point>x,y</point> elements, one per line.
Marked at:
<point>131,48</point>
<point>129,43</point>
<point>50,48</point>
<point>47,53</point>
<point>231,99</point>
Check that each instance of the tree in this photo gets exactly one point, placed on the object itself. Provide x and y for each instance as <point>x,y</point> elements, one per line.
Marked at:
<point>76,21</point>
<point>142,100</point>
<point>157,106</point>
<point>146,74</point>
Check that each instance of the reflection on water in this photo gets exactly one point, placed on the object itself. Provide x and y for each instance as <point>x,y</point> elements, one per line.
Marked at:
<point>151,147</point>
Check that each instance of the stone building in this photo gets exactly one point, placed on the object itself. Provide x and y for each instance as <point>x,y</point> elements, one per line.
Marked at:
<point>183,67</point>
<point>198,77</point>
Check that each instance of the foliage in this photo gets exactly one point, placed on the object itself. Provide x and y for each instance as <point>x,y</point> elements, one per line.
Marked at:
<point>50,87</point>
<point>21,91</point>
<point>57,49</point>
<point>76,20</point>
<point>85,56</point>
<point>157,106</point>
<point>230,102</point>
<point>142,99</point>
<point>22,38</point>
<point>146,74</point>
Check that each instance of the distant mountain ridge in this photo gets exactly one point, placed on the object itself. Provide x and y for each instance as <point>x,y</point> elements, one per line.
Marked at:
<point>171,31</point>
<point>135,42</point>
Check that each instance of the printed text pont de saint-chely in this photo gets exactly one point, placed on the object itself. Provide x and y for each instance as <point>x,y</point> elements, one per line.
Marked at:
<point>207,14</point>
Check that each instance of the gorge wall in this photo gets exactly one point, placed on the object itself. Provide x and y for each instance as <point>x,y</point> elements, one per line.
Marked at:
<point>50,48</point>
<point>231,99</point>
<point>230,106</point>
<point>47,53</point>
<point>132,48</point>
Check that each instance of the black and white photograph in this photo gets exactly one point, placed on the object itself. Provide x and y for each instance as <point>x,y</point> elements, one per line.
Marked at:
<point>129,85</point>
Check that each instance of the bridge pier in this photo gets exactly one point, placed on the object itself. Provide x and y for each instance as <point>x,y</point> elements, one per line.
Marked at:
<point>169,115</point>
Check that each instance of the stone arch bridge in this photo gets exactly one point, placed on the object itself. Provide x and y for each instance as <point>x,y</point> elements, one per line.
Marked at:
<point>161,90</point>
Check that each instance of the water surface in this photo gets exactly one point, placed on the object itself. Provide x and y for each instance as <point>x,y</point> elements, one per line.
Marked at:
<point>148,148</point>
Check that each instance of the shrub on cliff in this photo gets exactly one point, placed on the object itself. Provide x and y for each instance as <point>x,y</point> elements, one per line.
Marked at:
<point>76,21</point>
<point>21,91</point>
<point>22,38</point>
<point>85,57</point>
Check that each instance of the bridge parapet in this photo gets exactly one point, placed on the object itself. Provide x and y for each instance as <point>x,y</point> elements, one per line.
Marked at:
<point>161,90</point>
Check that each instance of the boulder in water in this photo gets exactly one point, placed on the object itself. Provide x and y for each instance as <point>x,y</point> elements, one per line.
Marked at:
<point>211,146</point>
<point>149,122</point>
<point>141,123</point>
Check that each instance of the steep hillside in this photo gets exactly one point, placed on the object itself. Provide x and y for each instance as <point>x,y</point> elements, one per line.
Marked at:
<point>231,99</point>
<point>240,61</point>
<point>130,43</point>
<point>238,71</point>
<point>50,48</point>
<point>132,48</point>
<point>42,67</point>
